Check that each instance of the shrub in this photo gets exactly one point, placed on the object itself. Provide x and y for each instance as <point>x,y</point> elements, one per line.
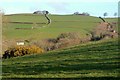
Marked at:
<point>46,44</point>
<point>68,39</point>
<point>69,35</point>
<point>63,40</point>
<point>21,50</point>
<point>102,31</point>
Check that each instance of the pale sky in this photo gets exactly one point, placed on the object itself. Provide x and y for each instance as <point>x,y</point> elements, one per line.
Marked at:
<point>94,7</point>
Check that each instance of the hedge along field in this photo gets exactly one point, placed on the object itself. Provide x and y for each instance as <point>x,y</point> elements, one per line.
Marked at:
<point>60,24</point>
<point>94,59</point>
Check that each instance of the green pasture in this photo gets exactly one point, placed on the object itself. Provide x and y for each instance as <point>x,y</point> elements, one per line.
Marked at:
<point>60,24</point>
<point>94,59</point>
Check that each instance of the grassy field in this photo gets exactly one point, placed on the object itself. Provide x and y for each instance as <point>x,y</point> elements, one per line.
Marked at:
<point>60,24</point>
<point>94,59</point>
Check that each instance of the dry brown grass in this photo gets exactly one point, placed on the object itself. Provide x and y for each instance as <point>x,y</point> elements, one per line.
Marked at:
<point>104,30</point>
<point>63,40</point>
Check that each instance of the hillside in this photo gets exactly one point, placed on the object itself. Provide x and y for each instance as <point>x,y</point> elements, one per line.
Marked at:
<point>94,59</point>
<point>60,24</point>
<point>20,27</point>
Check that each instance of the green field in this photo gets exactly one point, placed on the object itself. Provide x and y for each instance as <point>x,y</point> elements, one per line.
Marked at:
<point>94,59</point>
<point>60,24</point>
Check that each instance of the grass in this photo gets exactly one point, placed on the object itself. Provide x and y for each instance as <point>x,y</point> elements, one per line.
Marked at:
<point>94,59</point>
<point>60,24</point>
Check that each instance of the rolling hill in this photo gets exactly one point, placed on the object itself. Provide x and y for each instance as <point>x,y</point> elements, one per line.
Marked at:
<point>60,24</point>
<point>93,59</point>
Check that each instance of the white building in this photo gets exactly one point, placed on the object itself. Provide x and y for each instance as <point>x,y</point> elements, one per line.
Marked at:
<point>20,43</point>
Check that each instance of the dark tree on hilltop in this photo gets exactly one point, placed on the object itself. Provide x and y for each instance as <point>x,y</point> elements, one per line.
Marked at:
<point>86,14</point>
<point>76,13</point>
<point>38,12</point>
<point>105,14</point>
<point>115,14</point>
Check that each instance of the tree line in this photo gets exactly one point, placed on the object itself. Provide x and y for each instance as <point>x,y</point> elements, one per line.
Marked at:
<point>88,14</point>
<point>106,14</point>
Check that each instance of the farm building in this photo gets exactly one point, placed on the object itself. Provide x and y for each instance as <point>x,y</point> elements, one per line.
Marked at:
<point>20,42</point>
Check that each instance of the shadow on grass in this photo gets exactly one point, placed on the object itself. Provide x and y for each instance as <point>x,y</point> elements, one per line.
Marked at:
<point>82,78</point>
<point>62,62</point>
<point>58,67</point>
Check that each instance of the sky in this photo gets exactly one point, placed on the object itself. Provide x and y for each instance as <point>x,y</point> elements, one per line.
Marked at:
<point>93,7</point>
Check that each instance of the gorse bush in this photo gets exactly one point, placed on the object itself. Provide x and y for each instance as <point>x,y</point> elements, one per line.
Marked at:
<point>22,50</point>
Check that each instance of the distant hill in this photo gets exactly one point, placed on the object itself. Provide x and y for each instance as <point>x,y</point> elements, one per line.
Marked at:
<point>93,59</point>
<point>34,27</point>
<point>60,24</point>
